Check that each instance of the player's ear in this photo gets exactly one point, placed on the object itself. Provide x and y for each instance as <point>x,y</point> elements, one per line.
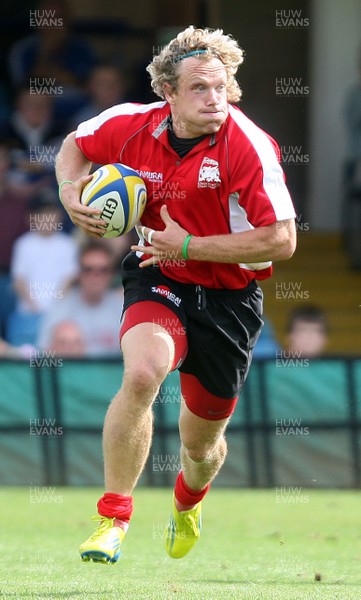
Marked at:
<point>169,92</point>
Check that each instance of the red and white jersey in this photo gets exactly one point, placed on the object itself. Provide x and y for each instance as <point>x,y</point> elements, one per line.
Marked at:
<point>229,182</point>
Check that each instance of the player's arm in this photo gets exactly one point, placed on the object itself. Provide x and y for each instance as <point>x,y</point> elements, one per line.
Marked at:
<point>72,166</point>
<point>272,242</point>
<point>269,243</point>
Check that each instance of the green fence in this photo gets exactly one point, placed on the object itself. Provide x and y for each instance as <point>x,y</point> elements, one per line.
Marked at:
<point>297,423</point>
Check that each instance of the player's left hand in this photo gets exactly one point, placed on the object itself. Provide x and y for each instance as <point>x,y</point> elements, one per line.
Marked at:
<point>164,245</point>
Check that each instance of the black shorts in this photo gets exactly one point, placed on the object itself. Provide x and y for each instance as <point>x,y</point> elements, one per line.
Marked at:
<point>222,326</point>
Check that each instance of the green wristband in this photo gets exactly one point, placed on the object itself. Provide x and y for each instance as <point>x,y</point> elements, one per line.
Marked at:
<point>185,246</point>
<point>61,185</point>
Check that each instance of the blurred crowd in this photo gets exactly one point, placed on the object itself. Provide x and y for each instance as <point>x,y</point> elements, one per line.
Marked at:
<point>58,291</point>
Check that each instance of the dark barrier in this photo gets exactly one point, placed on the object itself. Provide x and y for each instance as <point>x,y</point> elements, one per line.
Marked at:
<point>297,423</point>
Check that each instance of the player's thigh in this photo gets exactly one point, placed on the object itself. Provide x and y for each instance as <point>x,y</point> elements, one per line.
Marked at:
<point>147,346</point>
<point>197,433</point>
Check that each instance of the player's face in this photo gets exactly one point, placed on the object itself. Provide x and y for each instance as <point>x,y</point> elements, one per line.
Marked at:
<point>199,104</point>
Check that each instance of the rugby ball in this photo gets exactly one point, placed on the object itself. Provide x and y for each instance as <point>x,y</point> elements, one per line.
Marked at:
<point>120,193</point>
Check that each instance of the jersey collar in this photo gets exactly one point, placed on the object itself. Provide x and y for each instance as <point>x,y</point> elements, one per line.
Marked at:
<point>159,124</point>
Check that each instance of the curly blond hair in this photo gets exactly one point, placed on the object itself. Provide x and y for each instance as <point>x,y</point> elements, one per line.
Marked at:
<point>164,67</point>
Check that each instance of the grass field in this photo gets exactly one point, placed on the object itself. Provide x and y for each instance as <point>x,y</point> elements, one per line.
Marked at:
<point>256,545</point>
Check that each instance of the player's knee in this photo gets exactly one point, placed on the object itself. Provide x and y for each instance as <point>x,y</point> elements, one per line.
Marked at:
<point>198,455</point>
<point>143,379</point>
<point>200,451</point>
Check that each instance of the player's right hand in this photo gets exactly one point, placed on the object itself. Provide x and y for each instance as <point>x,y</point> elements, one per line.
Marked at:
<point>82,216</point>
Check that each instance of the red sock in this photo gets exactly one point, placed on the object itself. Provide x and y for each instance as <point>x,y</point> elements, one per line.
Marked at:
<point>118,506</point>
<point>186,498</point>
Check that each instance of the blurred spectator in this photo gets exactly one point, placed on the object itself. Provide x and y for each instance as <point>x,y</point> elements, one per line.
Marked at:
<point>307,331</point>
<point>119,247</point>
<point>53,52</point>
<point>92,304</point>
<point>44,263</point>
<point>33,137</point>
<point>25,351</point>
<point>13,222</point>
<point>67,340</point>
<point>105,89</point>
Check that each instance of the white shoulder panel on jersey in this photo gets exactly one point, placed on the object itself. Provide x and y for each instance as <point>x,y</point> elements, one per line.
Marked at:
<point>273,180</point>
<point>239,222</point>
<point>128,108</point>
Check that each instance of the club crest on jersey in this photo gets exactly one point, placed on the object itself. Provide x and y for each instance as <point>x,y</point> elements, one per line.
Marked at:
<point>165,291</point>
<point>209,173</point>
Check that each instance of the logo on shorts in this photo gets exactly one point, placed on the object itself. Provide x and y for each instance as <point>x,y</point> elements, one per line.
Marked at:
<point>209,174</point>
<point>218,412</point>
<point>165,291</point>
